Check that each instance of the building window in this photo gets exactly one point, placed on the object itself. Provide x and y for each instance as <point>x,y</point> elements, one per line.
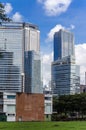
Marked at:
<point>11,114</point>
<point>47,98</point>
<point>11,96</point>
<point>11,109</point>
<point>47,116</point>
<point>48,108</point>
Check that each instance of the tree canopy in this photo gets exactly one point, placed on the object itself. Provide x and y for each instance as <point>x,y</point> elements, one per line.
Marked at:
<point>3,16</point>
<point>69,104</point>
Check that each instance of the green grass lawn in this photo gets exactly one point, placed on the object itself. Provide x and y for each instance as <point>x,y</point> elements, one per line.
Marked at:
<point>75,125</point>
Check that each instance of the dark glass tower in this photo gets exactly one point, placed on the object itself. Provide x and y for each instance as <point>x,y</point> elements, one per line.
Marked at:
<point>63,44</point>
<point>65,74</point>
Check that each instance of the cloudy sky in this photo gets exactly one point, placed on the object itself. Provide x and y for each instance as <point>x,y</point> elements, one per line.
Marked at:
<point>50,16</point>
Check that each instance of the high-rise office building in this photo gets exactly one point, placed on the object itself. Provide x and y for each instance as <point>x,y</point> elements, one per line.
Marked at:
<point>9,73</point>
<point>20,71</point>
<point>65,73</point>
<point>65,76</point>
<point>16,40</point>
<point>63,44</point>
<point>32,69</point>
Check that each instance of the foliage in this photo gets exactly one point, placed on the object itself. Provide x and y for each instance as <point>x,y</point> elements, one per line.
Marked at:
<point>3,16</point>
<point>71,105</point>
<point>3,117</point>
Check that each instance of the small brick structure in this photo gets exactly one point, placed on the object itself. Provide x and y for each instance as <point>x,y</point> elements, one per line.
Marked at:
<point>29,107</point>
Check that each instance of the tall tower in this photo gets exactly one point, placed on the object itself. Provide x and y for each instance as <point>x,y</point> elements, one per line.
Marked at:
<point>65,74</point>
<point>16,40</point>
<point>63,44</point>
<point>20,71</point>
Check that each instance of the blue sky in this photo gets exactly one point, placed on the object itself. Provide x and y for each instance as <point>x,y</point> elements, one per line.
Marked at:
<point>50,16</point>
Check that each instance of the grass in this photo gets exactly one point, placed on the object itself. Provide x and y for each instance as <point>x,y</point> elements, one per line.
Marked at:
<point>74,125</point>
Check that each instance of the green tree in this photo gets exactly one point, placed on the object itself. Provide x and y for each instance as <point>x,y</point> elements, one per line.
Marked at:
<point>70,105</point>
<point>3,16</point>
<point>55,104</point>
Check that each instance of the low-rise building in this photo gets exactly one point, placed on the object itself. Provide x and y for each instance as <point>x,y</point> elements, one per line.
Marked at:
<point>48,104</point>
<point>9,106</point>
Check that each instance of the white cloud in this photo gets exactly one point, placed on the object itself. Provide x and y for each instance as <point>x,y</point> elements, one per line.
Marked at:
<point>55,7</point>
<point>8,8</point>
<point>72,26</point>
<point>56,29</point>
<point>47,59</point>
<point>17,17</point>
<point>52,31</point>
<point>80,52</point>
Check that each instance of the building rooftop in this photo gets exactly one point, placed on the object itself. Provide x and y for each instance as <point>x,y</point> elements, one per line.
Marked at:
<point>17,25</point>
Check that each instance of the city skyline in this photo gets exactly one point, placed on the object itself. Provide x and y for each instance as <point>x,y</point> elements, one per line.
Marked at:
<point>50,17</point>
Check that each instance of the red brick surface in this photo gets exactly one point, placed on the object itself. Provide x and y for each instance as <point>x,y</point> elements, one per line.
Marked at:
<point>29,107</point>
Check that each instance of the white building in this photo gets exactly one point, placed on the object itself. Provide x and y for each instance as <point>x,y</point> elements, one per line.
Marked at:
<point>48,104</point>
<point>9,106</point>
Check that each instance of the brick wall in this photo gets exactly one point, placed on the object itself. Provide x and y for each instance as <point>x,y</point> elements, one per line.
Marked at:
<point>29,107</point>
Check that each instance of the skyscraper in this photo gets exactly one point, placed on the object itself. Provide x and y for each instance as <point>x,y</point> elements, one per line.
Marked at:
<point>20,71</point>
<point>16,40</point>
<point>32,69</point>
<point>65,73</point>
<point>63,44</point>
<point>65,76</point>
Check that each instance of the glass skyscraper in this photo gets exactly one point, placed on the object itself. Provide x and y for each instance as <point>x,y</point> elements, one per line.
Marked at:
<point>65,74</point>
<point>63,44</point>
<point>32,72</point>
<point>16,40</point>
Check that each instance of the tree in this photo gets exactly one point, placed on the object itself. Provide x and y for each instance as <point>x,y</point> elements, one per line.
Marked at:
<point>3,16</point>
<point>73,106</point>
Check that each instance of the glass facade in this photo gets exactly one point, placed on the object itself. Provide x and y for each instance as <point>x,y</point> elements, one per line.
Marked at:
<point>10,58</point>
<point>65,72</point>
<point>65,79</point>
<point>16,40</point>
<point>63,44</point>
<point>33,72</point>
